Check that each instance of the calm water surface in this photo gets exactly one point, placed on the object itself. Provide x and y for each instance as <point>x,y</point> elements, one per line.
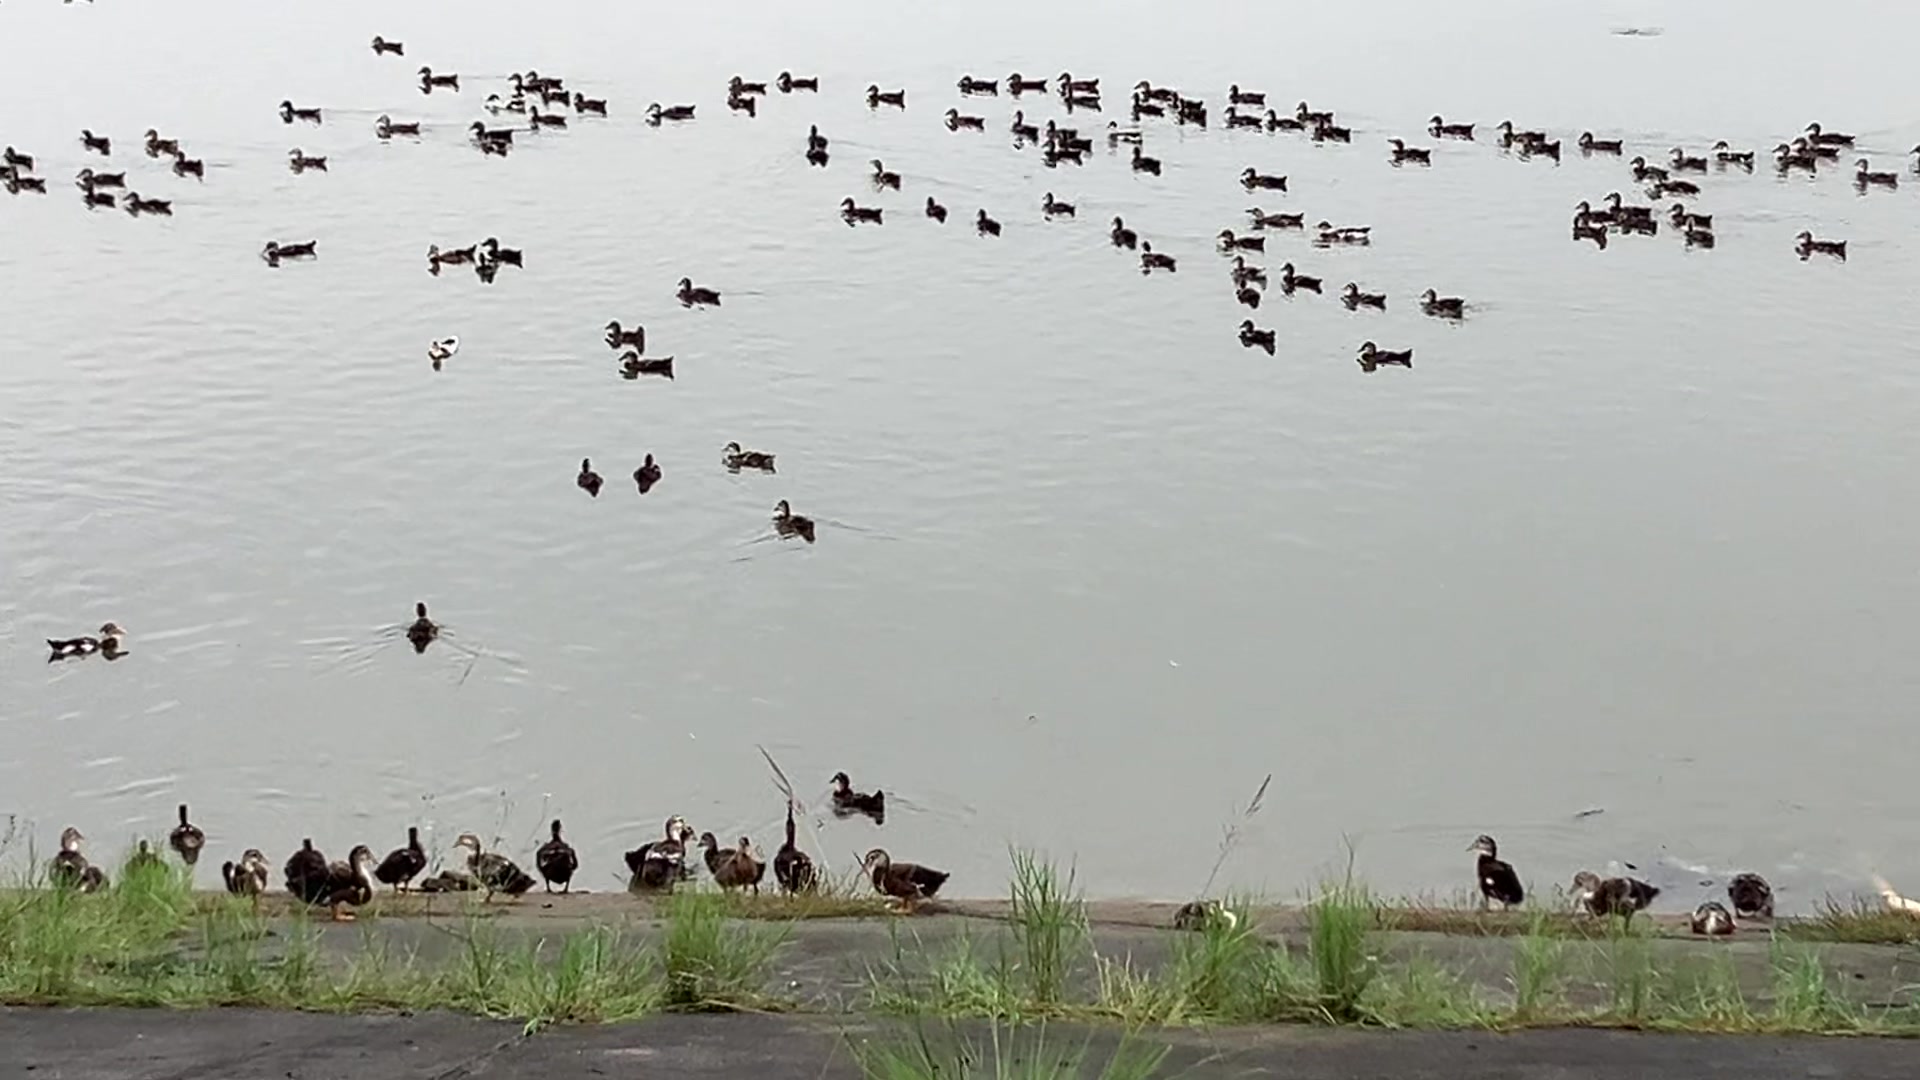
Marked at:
<point>1638,536</point>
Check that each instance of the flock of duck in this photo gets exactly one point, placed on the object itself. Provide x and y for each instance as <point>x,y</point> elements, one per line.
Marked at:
<point>1749,894</point>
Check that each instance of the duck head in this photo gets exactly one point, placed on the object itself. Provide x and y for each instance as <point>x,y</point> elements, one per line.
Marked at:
<point>1226,236</point>
<point>1246,326</point>
<point>781,512</point>
<point>1429,296</point>
<point>877,861</point>
<point>1482,844</point>
<point>254,861</point>
<point>70,839</point>
<point>1805,237</point>
<point>732,449</point>
<point>470,844</point>
<point>709,842</point>
<point>841,781</point>
<point>846,204</point>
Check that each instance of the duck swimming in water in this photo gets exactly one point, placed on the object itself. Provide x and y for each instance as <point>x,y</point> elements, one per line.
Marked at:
<point>1354,299</point>
<point>300,162</point>
<point>907,883</point>
<point>1409,155</point>
<point>1254,181</point>
<point>647,475</point>
<point>788,83</point>
<point>984,225</point>
<point>850,803</point>
<point>1230,243</point>
<point>1865,179</point>
<point>1442,307</point>
<point>430,82</point>
<point>108,640</point>
<point>1121,236</point>
<point>537,119</point>
<point>1752,897</point>
<point>1726,155</point>
<point>1826,138</point>
<point>882,178</point>
<point>382,45</point>
<point>186,839</point>
<point>1252,337</point>
<point>1017,85</point>
<point>792,868</point>
<point>618,336</point>
<point>276,251</point>
<point>1244,275</point>
<point>1263,220</point>
<point>98,144</point>
<point>957,122</point>
<point>1051,207</point>
<point>1290,281</point>
<point>787,523</point>
<point>402,864</point>
<point>1440,129</point>
<point>1496,879</point>
<point>1237,119</point>
<point>384,128</point>
<point>655,114</point>
<point>1805,245</point>
<point>588,480</point>
<point>876,98</point>
<point>856,215</point>
<point>736,459</point>
<point>985,87</point>
<point>1682,162</point>
<point>422,631</point>
<point>495,873</point>
<point>1151,260</point>
<point>936,211</point>
<point>556,860</point>
<point>633,365</point>
<point>1141,163</point>
<point>1590,145</point>
<point>690,296</point>
<point>288,114</point>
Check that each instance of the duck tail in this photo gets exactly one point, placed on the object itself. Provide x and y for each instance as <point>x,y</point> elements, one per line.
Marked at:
<point>667,370</point>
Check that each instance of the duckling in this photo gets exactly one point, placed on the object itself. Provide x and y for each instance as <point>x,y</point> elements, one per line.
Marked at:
<point>1623,212</point>
<point>1142,109</point>
<point>1442,307</point>
<point>98,144</point>
<point>1510,137</point>
<point>422,631</point>
<point>534,81</point>
<point>1276,122</point>
<point>157,146</point>
<point>1355,299</point>
<point>485,136</point>
<point>854,215</point>
<point>1237,119</point>
<point>741,103</point>
<point>1786,159</point>
<point>736,459</point>
<point>15,159</point>
<point>299,162</point>
<point>94,200</point>
<point>1822,151</point>
<point>1440,129</point>
<point>1332,133</point>
<point>1711,919</point>
<point>618,336</point>
<point>87,179</point>
<point>1308,116</point>
<point>895,98</point>
<point>633,365</point>
<point>788,524</point>
<point>384,128</point>
<point>1680,218</point>
<point>496,873</point>
<point>936,211</point>
<point>956,122</point>
<point>1244,275</point>
<point>1726,155</point>
<point>1805,245</point>
<point>1404,154</point>
<point>1237,96</point>
<point>1252,337</point>
<point>1373,358</point>
<point>186,839</point>
<point>556,860</point>
<point>1496,879</point>
<point>1262,220</point>
<point>588,480</point>
<point>647,475</point>
<point>1866,179</point>
<point>1681,162</point>
<point>69,869</point>
<point>585,105</point>
<point>655,113</point>
<point>792,868</point>
<point>817,156</point>
<point>1253,181</point>
<point>1230,243</point>
<point>1149,92</point>
<point>1070,86</point>
<point>1051,207</point>
<point>288,114</point>
<point>971,85</point>
<point>1586,229</point>
<point>1662,188</point>
<point>882,178</point>
<point>1588,215</point>
<point>1590,145</point>
<point>691,296</point>
<point>984,225</point>
<point>907,883</point>
<point>1023,132</point>
<point>1247,296</point>
<point>319,883</point>
<point>815,140</point>
<point>537,119</point>
<point>733,868</point>
<point>1751,895</point>
<point>1151,260</point>
<point>1017,85</point>
<point>1053,154</point>
<point>249,876</point>
<point>402,864</point>
<point>492,252</point>
<point>1067,138</point>
<point>1121,236</point>
<point>382,45</point>
<point>788,83</point>
<point>1144,164</point>
<point>1188,111</point>
<point>1826,138</point>
<point>1543,148</point>
<point>1699,237</point>
<point>1615,895</point>
<point>429,81</point>
<point>63,648</point>
<point>657,864</point>
<point>1343,234</point>
<point>496,104</point>
<point>738,87</point>
<point>1290,281</point>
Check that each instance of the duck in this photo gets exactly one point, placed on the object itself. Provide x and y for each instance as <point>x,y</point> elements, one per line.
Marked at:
<point>905,882</point>
<point>690,295</point>
<point>1069,86</point>
<point>1587,229</point>
<point>1054,153</point>
<point>655,865</point>
<point>422,631</point>
<point>534,81</point>
<point>971,85</point>
<point>16,160</point>
<point>1822,151</point>
<point>1496,879</point>
<point>876,98</point>
<point>288,114</point>
<point>788,524</point>
<point>1726,155</point>
<point>1662,188</point>
<point>317,882</point>
<point>1682,162</point>
<point>1679,217</point>
<point>1148,92</point>
<point>492,252</point>
<point>109,639</point>
<point>1404,154</point>
<point>1584,213</point>
<point>453,256</point>
<point>1355,299</point>
<point>382,45</point>
<point>1544,149</point>
<point>936,211</point>
<point>1188,111</point>
<point>249,876</point>
<point>1343,234</point>
<point>882,178</point>
<point>1440,129</point>
<point>98,144</point>
<point>1590,145</point>
<point>1017,85</point>
<point>1276,122</point>
<point>1332,133</point>
<point>402,864</point>
<point>817,156</point>
<point>95,200</point>
<point>733,868</point>
<point>1141,109</point>
<point>1826,138</point>
<point>1696,237</point>
<point>736,458</point>
<point>135,205</point>
<point>1083,101</point>
<point>1023,132</point>
<point>385,128</point>
<point>588,480</point>
<point>855,215</point>
<point>1623,212</point>
<point>1442,307</point>
<point>429,81</point>
<point>1752,897</point>
<point>1121,236</point>
<point>956,122</point>
<point>537,119</point>
<point>496,104</point>
<point>1308,116</point>
<point>442,350</point>
<point>486,136</point>
<point>647,475</point>
<point>739,87</point>
<point>1117,134</point>
<point>1066,138</point>
<point>491,147</point>
<point>1230,243</point>
<point>1643,226</point>
<point>299,162</point>
<point>1711,919</point>
<point>1252,337</point>
<point>850,803</point>
<point>449,881</point>
<point>633,365</point>
<point>1290,281</point>
<point>556,860</point>
<point>156,146</point>
<point>1200,915</point>
<point>1613,896</point>
<point>793,868</point>
<point>1051,207</point>
<point>186,839</point>
<point>741,103</point>
<point>1237,119</point>
<point>1244,275</point>
<point>1263,220</point>
<point>69,868</point>
<point>1144,164</point>
<point>1237,96</point>
<point>1151,260</point>
<point>1247,296</point>
<point>1866,179</point>
<point>1509,137</point>
<point>1786,158</point>
<point>618,335</point>
<point>984,225</point>
<point>655,113</point>
<point>1254,181</point>
<point>495,873</point>
<point>788,83</point>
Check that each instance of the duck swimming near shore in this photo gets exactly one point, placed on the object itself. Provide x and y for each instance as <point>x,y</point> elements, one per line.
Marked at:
<point>588,480</point>
<point>850,803</point>
<point>736,459</point>
<point>786,523</point>
<point>422,631</point>
<point>109,639</point>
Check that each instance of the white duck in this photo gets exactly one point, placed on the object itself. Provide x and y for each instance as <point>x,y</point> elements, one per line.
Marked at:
<point>442,350</point>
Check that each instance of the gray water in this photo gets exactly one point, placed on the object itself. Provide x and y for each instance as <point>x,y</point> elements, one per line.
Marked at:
<point>1636,537</point>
